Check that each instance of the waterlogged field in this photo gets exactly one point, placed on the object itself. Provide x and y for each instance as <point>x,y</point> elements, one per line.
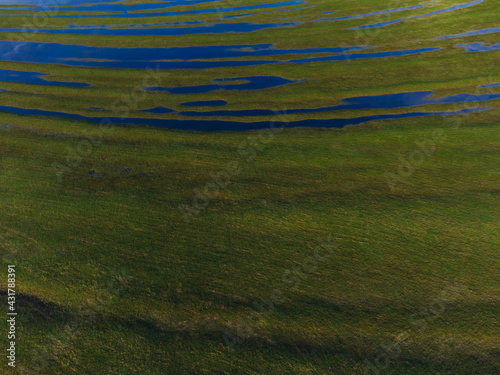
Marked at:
<point>258,187</point>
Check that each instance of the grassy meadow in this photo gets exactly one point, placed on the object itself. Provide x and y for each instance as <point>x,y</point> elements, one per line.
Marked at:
<point>371,249</point>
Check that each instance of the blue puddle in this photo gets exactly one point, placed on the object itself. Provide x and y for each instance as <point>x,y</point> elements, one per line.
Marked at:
<point>489,85</point>
<point>112,57</point>
<point>212,28</point>
<point>158,110</point>
<point>243,27</point>
<point>60,53</point>
<point>490,30</point>
<point>236,16</point>
<point>96,5</point>
<point>216,28</point>
<point>110,7</point>
<point>479,47</point>
<point>35,4</point>
<point>147,28</point>
<point>125,9</point>
<point>201,103</point>
<point>453,8</point>
<point>95,27</point>
<point>388,101</point>
<point>374,55</point>
<point>229,84</point>
<point>34,78</point>
<point>204,125</point>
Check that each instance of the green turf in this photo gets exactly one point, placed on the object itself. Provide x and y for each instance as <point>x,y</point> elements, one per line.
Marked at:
<point>112,278</point>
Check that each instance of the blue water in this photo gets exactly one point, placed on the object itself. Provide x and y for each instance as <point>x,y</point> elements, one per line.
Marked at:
<point>450,9</point>
<point>200,27</point>
<point>374,55</point>
<point>139,25</point>
<point>93,5</point>
<point>479,47</point>
<point>192,30</point>
<point>134,29</point>
<point>219,28</point>
<point>125,9</point>
<point>204,125</point>
<point>162,110</point>
<point>203,103</point>
<point>236,16</point>
<point>490,30</point>
<point>108,6</point>
<point>159,110</point>
<point>7,4</point>
<point>387,101</point>
<point>202,57</point>
<point>229,84</point>
<point>60,53</point>
<point>490,85</point>
<point>146,58</point>
<point>34,78</point>
<point>216,28</point>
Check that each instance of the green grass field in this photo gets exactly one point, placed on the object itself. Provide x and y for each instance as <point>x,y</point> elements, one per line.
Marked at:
<point>113,278</point>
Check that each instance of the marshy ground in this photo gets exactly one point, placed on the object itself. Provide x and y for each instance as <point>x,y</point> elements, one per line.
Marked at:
<point>148,250</point>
